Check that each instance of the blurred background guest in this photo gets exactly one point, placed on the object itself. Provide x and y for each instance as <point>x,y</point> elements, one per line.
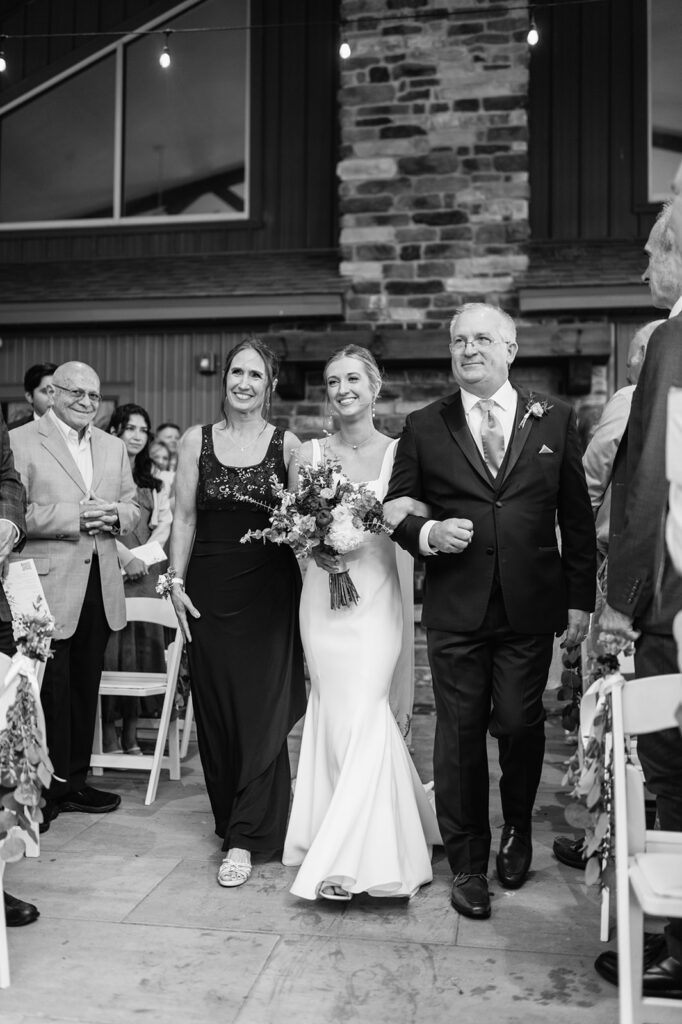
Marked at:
<point>170,434</point>
<point>240,611</point>
<point>38,391</point>
<point>159,453</point>
<point>140,645</point>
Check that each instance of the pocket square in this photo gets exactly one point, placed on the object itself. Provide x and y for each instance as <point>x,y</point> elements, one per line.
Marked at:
<point>545,450</point>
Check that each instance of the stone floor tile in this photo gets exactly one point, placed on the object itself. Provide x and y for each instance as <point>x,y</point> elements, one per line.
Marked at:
<point>343,981</point>
<point>101,973</point>
<point>190,895</point>
<point>89,886</point>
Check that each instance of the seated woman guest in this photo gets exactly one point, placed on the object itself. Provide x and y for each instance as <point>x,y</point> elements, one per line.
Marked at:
<point>140,645</point>
<point>239,611</point>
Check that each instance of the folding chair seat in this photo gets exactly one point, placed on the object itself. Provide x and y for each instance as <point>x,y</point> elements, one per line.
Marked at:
<point>648,863</point>
<point>146,684</point>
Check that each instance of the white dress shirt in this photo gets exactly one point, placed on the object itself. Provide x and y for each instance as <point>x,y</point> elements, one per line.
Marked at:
<point>505,410</point>
<point>79,448</point>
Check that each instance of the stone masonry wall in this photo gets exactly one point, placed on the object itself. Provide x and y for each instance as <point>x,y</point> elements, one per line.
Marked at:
<point>433,171</point>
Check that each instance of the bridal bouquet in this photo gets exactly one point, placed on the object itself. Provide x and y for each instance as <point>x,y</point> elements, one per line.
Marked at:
<point>328,512</point>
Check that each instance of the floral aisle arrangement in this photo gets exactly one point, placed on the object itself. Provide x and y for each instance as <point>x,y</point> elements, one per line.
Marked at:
<point>328,512</point>
<point>25,766</point>
<point>589,771</point>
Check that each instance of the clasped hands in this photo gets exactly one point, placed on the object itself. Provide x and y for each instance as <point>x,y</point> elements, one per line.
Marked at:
<point>97,516</point>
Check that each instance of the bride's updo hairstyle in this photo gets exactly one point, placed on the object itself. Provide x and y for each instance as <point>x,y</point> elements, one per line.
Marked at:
<point>271,368</point>
<point>364,356</point>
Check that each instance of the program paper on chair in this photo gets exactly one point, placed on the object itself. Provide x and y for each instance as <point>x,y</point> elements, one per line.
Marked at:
<point>648,863</point>
<point>146,684</point>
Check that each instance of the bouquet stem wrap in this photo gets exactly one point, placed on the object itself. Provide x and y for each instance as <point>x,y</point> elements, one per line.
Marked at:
<point>342,591</point>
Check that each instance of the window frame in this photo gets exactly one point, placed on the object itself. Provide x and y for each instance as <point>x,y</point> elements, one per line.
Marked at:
<point>118,220</point>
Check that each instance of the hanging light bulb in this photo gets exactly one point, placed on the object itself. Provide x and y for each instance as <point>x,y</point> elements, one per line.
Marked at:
<point>164,56</point>
<point>344,50</point>
<point>533,37</point>
<point>3,62</point>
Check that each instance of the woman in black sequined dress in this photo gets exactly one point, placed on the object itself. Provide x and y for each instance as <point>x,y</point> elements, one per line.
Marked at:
<point>239,612</point>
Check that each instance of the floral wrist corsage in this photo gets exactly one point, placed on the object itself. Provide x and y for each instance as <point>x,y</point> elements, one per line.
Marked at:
<point>167,581</point>
<point>535,408</point>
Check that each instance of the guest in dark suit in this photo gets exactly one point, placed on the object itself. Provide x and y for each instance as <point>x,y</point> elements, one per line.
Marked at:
<point>38,391</point>
<point>80,496</point>
<point>644,594</point>
<point>12,537</point>
<point>498,588</point>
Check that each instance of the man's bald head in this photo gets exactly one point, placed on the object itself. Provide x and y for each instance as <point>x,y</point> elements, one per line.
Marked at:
<point>77,394</point>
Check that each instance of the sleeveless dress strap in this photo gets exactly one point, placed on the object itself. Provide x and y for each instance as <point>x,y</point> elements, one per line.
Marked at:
<point>387,463</point>
<point>317,452</point>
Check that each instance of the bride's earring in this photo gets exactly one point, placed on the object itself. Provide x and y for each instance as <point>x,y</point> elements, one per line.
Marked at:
<point>327,419</point>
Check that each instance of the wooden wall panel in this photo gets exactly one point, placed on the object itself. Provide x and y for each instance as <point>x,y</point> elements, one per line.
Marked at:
<point>585,96</point>
<point>156,370</point>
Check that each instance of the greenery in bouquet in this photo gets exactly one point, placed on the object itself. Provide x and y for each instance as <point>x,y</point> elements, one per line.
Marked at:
<point>327,511</point>
<point>24,763</point>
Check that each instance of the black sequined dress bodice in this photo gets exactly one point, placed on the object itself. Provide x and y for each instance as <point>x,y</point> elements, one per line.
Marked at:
<point>221,515</point>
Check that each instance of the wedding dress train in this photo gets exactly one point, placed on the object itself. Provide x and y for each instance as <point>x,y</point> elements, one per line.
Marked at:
<point>361,818</point>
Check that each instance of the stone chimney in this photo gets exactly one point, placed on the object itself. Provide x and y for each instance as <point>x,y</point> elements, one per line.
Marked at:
<point>433,175</point>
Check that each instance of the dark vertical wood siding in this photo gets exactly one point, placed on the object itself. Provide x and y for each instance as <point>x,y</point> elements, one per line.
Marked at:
<point>585,104</point>
<point>293,128</point>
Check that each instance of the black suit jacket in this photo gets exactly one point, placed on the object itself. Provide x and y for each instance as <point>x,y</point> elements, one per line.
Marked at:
<point>12,502</point>
<point>642,581</point>
<point>514,517</point>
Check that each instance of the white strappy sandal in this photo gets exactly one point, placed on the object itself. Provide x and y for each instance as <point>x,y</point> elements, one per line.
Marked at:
<point>332,891</point>
<point>231,874</point>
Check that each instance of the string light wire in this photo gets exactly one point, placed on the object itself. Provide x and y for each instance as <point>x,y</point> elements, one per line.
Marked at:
<point>361,22</point>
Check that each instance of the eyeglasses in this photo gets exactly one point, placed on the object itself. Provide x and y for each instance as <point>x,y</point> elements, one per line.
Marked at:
<point>483,341</point>
<point>79,394</point>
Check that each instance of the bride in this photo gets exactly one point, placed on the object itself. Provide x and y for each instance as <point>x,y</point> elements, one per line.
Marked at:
<point>361,820</point>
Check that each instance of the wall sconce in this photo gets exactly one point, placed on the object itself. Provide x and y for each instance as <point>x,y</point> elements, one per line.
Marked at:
<point>208,365</point>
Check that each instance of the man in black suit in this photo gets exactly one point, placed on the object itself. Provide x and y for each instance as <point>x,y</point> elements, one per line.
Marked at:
<point>644,590</point>
<point>39,392</point>
<point>497,466</point>
<point>12,537</point>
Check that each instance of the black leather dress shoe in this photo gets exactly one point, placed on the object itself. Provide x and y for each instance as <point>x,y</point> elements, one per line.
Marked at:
<point>664,979</point>
<point>606,964</point>
<point>470,897</point>
<point>50,812</point>
<point>17,912</point>
<point>513,860</point>
<point>90,801</point>
<point>569,851</point>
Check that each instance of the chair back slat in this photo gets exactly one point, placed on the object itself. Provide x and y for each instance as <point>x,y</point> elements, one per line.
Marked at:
<point>151,609</point>
<point>649,704</point>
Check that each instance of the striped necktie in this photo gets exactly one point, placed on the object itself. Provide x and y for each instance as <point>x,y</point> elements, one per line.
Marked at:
<point>492,435</point>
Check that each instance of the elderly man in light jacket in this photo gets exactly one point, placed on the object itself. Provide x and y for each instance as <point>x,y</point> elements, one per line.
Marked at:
<point>81,495</point>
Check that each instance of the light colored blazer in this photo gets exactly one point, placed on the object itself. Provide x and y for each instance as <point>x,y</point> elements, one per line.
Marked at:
<point>55,489</point>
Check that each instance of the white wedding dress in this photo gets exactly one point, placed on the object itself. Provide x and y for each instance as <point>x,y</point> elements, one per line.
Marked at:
<point>361,818</point>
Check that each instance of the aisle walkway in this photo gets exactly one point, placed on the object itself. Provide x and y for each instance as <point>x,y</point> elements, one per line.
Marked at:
<point>134,927</point>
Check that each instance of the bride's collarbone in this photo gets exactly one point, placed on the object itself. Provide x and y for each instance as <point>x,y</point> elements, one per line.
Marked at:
<point>362,463</point>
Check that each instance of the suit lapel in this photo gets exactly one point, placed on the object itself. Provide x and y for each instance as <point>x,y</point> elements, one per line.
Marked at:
<point>455,420</point>
<point>519,434</point>
<point>98,459</point>
<point>53,441</point>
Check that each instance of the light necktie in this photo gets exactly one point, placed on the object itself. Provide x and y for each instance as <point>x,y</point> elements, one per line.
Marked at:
<point>492,435</point>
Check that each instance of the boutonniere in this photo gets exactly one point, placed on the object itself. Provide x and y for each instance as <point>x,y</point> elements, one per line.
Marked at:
<point>535,408</point>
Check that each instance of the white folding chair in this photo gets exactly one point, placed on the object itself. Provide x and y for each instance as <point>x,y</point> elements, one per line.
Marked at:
<point>146,684</point>
<point>648,863</point>
<point>4,952</point>
<point>186,728</point>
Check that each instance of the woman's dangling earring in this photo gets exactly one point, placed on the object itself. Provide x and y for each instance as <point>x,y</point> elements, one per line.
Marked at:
<point>327,419</point>
<point>374,406</point>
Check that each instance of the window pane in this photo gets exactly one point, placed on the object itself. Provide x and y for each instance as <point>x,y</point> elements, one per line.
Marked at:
<point>185,127</point>
<point>56,151</point>
<point>665,84</point>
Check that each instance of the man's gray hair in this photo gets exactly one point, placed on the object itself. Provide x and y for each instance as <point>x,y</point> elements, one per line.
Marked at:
<point>665,236</point>
<point>506,323</point>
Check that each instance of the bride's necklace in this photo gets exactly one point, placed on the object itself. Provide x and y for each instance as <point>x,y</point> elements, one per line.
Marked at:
<point>249,444</point>
<point>360,444</point>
